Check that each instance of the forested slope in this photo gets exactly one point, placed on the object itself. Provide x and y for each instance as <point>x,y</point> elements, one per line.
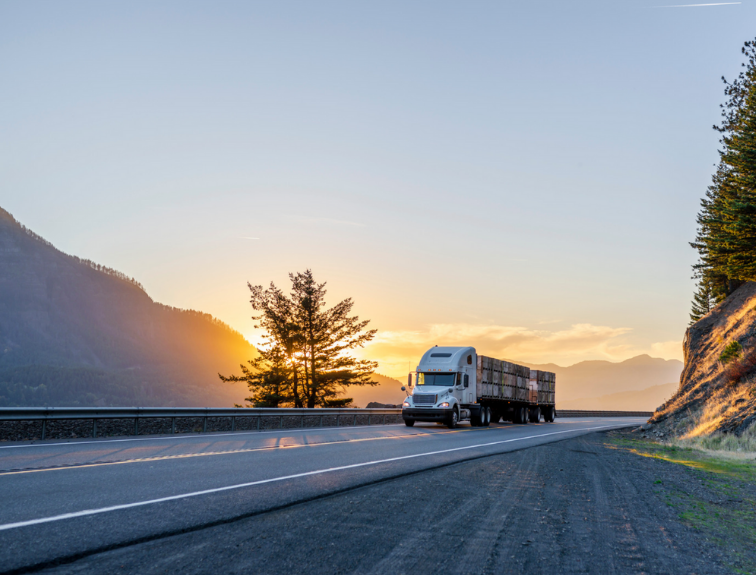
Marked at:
<point>75,333</point>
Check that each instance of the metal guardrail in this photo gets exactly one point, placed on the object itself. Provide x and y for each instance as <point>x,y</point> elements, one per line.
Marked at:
<point>590,413</point>
<point>32,413</point>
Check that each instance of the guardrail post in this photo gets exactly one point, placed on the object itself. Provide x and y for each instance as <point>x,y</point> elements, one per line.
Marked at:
<point>204,424</point>
<point>44,421</point>
<point>173,425</point>
<point>302,425</point>
<point>321,421</point>
<point>136,426</point>
<point>280,426</point>
<point>94,428</point>
<point>354,421</point>
<point>384,419</point>
<point>233,423</point>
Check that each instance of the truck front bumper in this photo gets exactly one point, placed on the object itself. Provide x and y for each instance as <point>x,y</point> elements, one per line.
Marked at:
<point>427,413</point>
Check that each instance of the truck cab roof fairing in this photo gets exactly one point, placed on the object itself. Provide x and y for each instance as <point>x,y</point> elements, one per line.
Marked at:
<point>446,358</point>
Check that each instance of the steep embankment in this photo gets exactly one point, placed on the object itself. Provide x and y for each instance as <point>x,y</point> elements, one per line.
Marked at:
<point>713,397</point>
<point>75,333</point>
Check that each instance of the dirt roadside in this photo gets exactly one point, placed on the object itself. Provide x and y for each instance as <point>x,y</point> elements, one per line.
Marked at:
<point>586,505</point>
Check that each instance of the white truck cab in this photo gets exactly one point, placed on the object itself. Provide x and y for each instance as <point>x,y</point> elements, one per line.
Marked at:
<point>444,387</point>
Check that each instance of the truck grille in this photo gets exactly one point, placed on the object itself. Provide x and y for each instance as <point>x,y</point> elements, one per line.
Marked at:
<point>424,399</point>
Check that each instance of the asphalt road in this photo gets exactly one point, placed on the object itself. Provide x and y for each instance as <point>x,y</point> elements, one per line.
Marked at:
<point>66,501</point>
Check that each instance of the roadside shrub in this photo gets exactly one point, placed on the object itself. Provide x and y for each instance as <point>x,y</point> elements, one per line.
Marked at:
<point>733,351</point>
<point>742,366</point>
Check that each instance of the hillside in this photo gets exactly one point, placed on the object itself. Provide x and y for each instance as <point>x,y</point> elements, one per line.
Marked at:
<point>75,333</point>
<point>592,379</point>
<point>716,397</point>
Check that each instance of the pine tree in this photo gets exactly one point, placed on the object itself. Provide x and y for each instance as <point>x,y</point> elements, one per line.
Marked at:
<point>703,302</point>
<point>305,361</point>
<point>726,238</point>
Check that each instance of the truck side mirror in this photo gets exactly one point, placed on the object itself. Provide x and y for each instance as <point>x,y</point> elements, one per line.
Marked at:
<point>409,380</point>
<point>467,380</point>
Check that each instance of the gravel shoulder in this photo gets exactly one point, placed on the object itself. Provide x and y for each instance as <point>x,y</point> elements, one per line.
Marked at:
<point>600,503</point>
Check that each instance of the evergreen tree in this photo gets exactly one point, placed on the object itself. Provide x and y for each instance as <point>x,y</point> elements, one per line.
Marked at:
<point>703,302</point>
<point>305,361</point>
<point>726,239</point>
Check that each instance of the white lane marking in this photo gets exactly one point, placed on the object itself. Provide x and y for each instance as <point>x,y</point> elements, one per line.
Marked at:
<point>228,452</point>
<point>274,479</point>
<point>199,435</point>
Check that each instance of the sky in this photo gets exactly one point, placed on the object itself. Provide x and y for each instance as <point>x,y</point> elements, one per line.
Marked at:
<point>519,176</point>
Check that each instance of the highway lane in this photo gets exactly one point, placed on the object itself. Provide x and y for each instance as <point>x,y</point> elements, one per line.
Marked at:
<point>62,500</point>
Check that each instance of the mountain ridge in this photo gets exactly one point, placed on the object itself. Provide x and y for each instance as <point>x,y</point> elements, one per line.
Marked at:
<point>60,314</point>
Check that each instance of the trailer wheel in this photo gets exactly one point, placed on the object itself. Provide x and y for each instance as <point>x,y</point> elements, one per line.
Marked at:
<point>409,422</point>
<point>453,420</point>
<point>535,415</point>
<point>524,415</point>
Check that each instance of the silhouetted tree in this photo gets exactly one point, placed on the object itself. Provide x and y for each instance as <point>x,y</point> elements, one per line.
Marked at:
<point>305,361</point>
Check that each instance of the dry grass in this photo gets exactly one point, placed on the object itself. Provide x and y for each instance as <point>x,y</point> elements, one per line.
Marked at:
<point>701,429</point>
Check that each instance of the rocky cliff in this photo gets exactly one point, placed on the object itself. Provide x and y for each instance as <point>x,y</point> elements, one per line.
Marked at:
<point>716,396</point>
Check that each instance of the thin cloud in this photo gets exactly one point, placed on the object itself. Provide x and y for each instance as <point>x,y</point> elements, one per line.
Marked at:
<point>699,5</point>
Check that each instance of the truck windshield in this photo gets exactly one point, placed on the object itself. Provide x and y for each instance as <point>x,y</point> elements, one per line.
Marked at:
<point>440,379</point>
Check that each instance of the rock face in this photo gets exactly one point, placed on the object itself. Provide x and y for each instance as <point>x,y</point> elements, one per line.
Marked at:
<point>75,333</point>
<point>709,399</point>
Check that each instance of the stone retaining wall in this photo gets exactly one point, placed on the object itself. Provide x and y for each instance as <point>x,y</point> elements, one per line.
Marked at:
<point>25,430</point>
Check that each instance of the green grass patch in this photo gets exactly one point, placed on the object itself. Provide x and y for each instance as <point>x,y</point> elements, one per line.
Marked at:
<point>722,502</point>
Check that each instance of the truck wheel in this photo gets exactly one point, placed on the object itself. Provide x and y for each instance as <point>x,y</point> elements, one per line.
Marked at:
<point>453,420</point>
<point>536,415</point>
<point>486,416</point>
<point>409,422</point>
<point>477,420</point>
<point>524,415</point>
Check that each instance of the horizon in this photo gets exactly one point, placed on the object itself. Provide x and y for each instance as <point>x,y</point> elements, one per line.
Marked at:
<point>474,175</point>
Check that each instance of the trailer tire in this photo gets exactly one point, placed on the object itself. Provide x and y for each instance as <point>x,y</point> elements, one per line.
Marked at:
<point>535,415</point>
<point>453,420</point>
<point>409,422</point>
<point>524,415</point>
<point>486,416</point>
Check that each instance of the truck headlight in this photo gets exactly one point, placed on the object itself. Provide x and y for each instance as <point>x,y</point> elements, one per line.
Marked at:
<point>406,404</point>
<point>444,404</point>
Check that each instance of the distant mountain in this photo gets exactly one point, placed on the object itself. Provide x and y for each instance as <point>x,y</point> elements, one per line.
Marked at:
<point>76,333</point>
<point>645,400</point>
<point>388,391</point>
<point>589,379</point>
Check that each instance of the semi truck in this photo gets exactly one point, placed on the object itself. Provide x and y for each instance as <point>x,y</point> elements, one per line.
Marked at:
<point>455,384</point>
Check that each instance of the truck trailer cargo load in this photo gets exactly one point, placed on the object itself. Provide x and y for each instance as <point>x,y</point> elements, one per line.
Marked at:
<point>453,384</point>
